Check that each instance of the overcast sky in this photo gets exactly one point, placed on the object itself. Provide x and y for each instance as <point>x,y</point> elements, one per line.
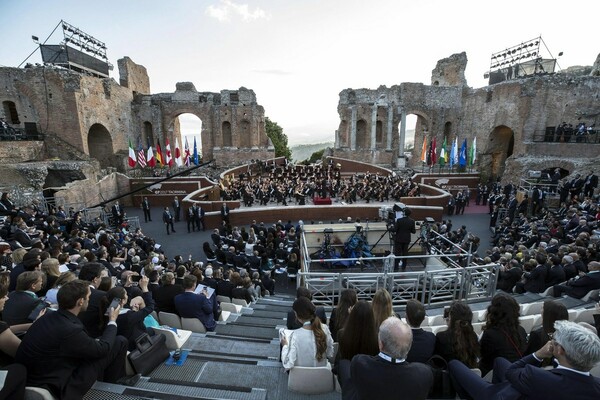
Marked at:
<point>298,55</point>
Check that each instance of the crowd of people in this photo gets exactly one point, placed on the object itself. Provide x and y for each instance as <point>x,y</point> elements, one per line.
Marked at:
<point>283,184</point>
<point>59,276</point>
<point>378,350</point>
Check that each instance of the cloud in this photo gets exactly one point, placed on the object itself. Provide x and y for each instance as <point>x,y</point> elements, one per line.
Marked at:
<point>272,71</point>
<point>225,10</point>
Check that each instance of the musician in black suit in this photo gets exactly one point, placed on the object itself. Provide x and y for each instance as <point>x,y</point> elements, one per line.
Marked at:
<point>168,220</point>
<point>576,350</point>
<point>402,228</point>
<point>59,354</point>
<point>387,375</point>
<point>146,209</point>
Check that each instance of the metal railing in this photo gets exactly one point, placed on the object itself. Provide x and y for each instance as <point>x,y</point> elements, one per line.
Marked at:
<point>12,134</point>
<point>437,288</point>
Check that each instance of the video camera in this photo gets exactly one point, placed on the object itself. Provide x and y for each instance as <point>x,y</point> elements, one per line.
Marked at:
<point>391,213</point>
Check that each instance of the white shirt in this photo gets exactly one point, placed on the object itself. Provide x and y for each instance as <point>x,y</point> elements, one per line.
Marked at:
<point>301,351</point>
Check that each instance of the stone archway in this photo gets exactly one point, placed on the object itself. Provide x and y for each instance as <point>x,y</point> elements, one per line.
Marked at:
<point>499,147</point>
<point>100,144</point>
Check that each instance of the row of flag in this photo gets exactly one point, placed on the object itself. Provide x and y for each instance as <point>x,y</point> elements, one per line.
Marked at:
<point>452,157</point>
<point>151,158</point>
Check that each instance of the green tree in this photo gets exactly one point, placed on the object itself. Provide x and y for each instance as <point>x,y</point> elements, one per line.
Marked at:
<point>316,156</point>
<point>279,139</point>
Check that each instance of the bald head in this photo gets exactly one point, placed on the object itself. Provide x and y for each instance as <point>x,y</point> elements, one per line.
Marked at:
<point>395,338</point>
<point>593,266</point>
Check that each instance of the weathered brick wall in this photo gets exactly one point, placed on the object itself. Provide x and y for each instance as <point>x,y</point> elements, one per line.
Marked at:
<point>133,76</point>
<point>16,151</point>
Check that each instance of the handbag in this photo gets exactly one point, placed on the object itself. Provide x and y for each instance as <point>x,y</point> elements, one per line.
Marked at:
<point>150,352</point>
<point>442,387</point>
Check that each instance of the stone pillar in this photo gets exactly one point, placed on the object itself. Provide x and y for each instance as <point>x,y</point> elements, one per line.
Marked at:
<point>337,139</point>
<point>401,160</point>
<point>390,127</point>
<point>374,127</point>
<point>353,128</point>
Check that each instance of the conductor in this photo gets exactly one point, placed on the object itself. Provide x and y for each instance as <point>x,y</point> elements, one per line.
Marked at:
<point>403,228</point>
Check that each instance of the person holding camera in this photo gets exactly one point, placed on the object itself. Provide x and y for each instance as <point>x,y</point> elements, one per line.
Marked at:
<point>402,228</point>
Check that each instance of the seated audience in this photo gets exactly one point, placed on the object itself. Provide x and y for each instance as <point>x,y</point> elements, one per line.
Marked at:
<point>65,277</point>
<point>192,305</point>
<point>579,286</point>
<point>502,334</point>
<point>575,349</point>
<point>552,311</point>
<point>164,296</point>
<point>90,316</point>
<point>131,323</point>
<point>60,355</point>
<point>423,344</point>
<point>309,346</point>
<point>359,334</point>
<point>459,341</point>
<point>16,375</point>
<point>387,375</point>
<point>23,300</point>
<point>292,322</point>
<point>382,306</point>
<point>340,313</point>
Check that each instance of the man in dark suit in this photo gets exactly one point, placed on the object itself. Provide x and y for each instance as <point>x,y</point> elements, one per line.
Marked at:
<point>387,375</point>
<point>59,354</point>
<point>168,220</point>
<point>537,200</point>
<point>191,217</point>
<point>580,286</point>
<point>176,208</point>
<point>575,348</point>
<point>591,183</point>
<point>192,305</point>
<point>225,212</point>
<point>146,209</point>
<point>118,214</point>
<point>21,235</point>
<point>535,280</point>
<point>90,316</point>
<point>164,296</point>
<point>403,228</point>
<point>423,344</point>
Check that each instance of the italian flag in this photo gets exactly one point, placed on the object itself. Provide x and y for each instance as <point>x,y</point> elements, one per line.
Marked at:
<point>132,157</point>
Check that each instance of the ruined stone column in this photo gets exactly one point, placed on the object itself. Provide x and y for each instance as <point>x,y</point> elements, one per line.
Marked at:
<point>390,127</point>
<point>374,127</point>
<point>401,160</point>
<point>337,139</point>
<point>353,128</point>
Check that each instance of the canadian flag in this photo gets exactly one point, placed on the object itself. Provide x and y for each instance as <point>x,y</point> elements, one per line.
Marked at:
<point>169,159</point>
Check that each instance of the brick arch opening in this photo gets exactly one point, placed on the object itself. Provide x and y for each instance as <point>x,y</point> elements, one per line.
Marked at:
<point>416,128</point>
<point>100,144</point>
<point>186,126</point>
<point>500,146</point>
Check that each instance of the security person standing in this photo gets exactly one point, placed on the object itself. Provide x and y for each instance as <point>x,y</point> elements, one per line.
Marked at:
<point>403,228</point>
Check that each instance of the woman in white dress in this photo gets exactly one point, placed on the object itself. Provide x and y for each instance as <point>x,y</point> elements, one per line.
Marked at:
<point>309,346</point>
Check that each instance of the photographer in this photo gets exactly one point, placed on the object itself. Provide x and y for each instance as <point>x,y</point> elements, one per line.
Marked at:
<point>402,228</point>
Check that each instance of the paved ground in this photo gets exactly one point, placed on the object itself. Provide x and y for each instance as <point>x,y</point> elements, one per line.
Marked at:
<point>183,243</point>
